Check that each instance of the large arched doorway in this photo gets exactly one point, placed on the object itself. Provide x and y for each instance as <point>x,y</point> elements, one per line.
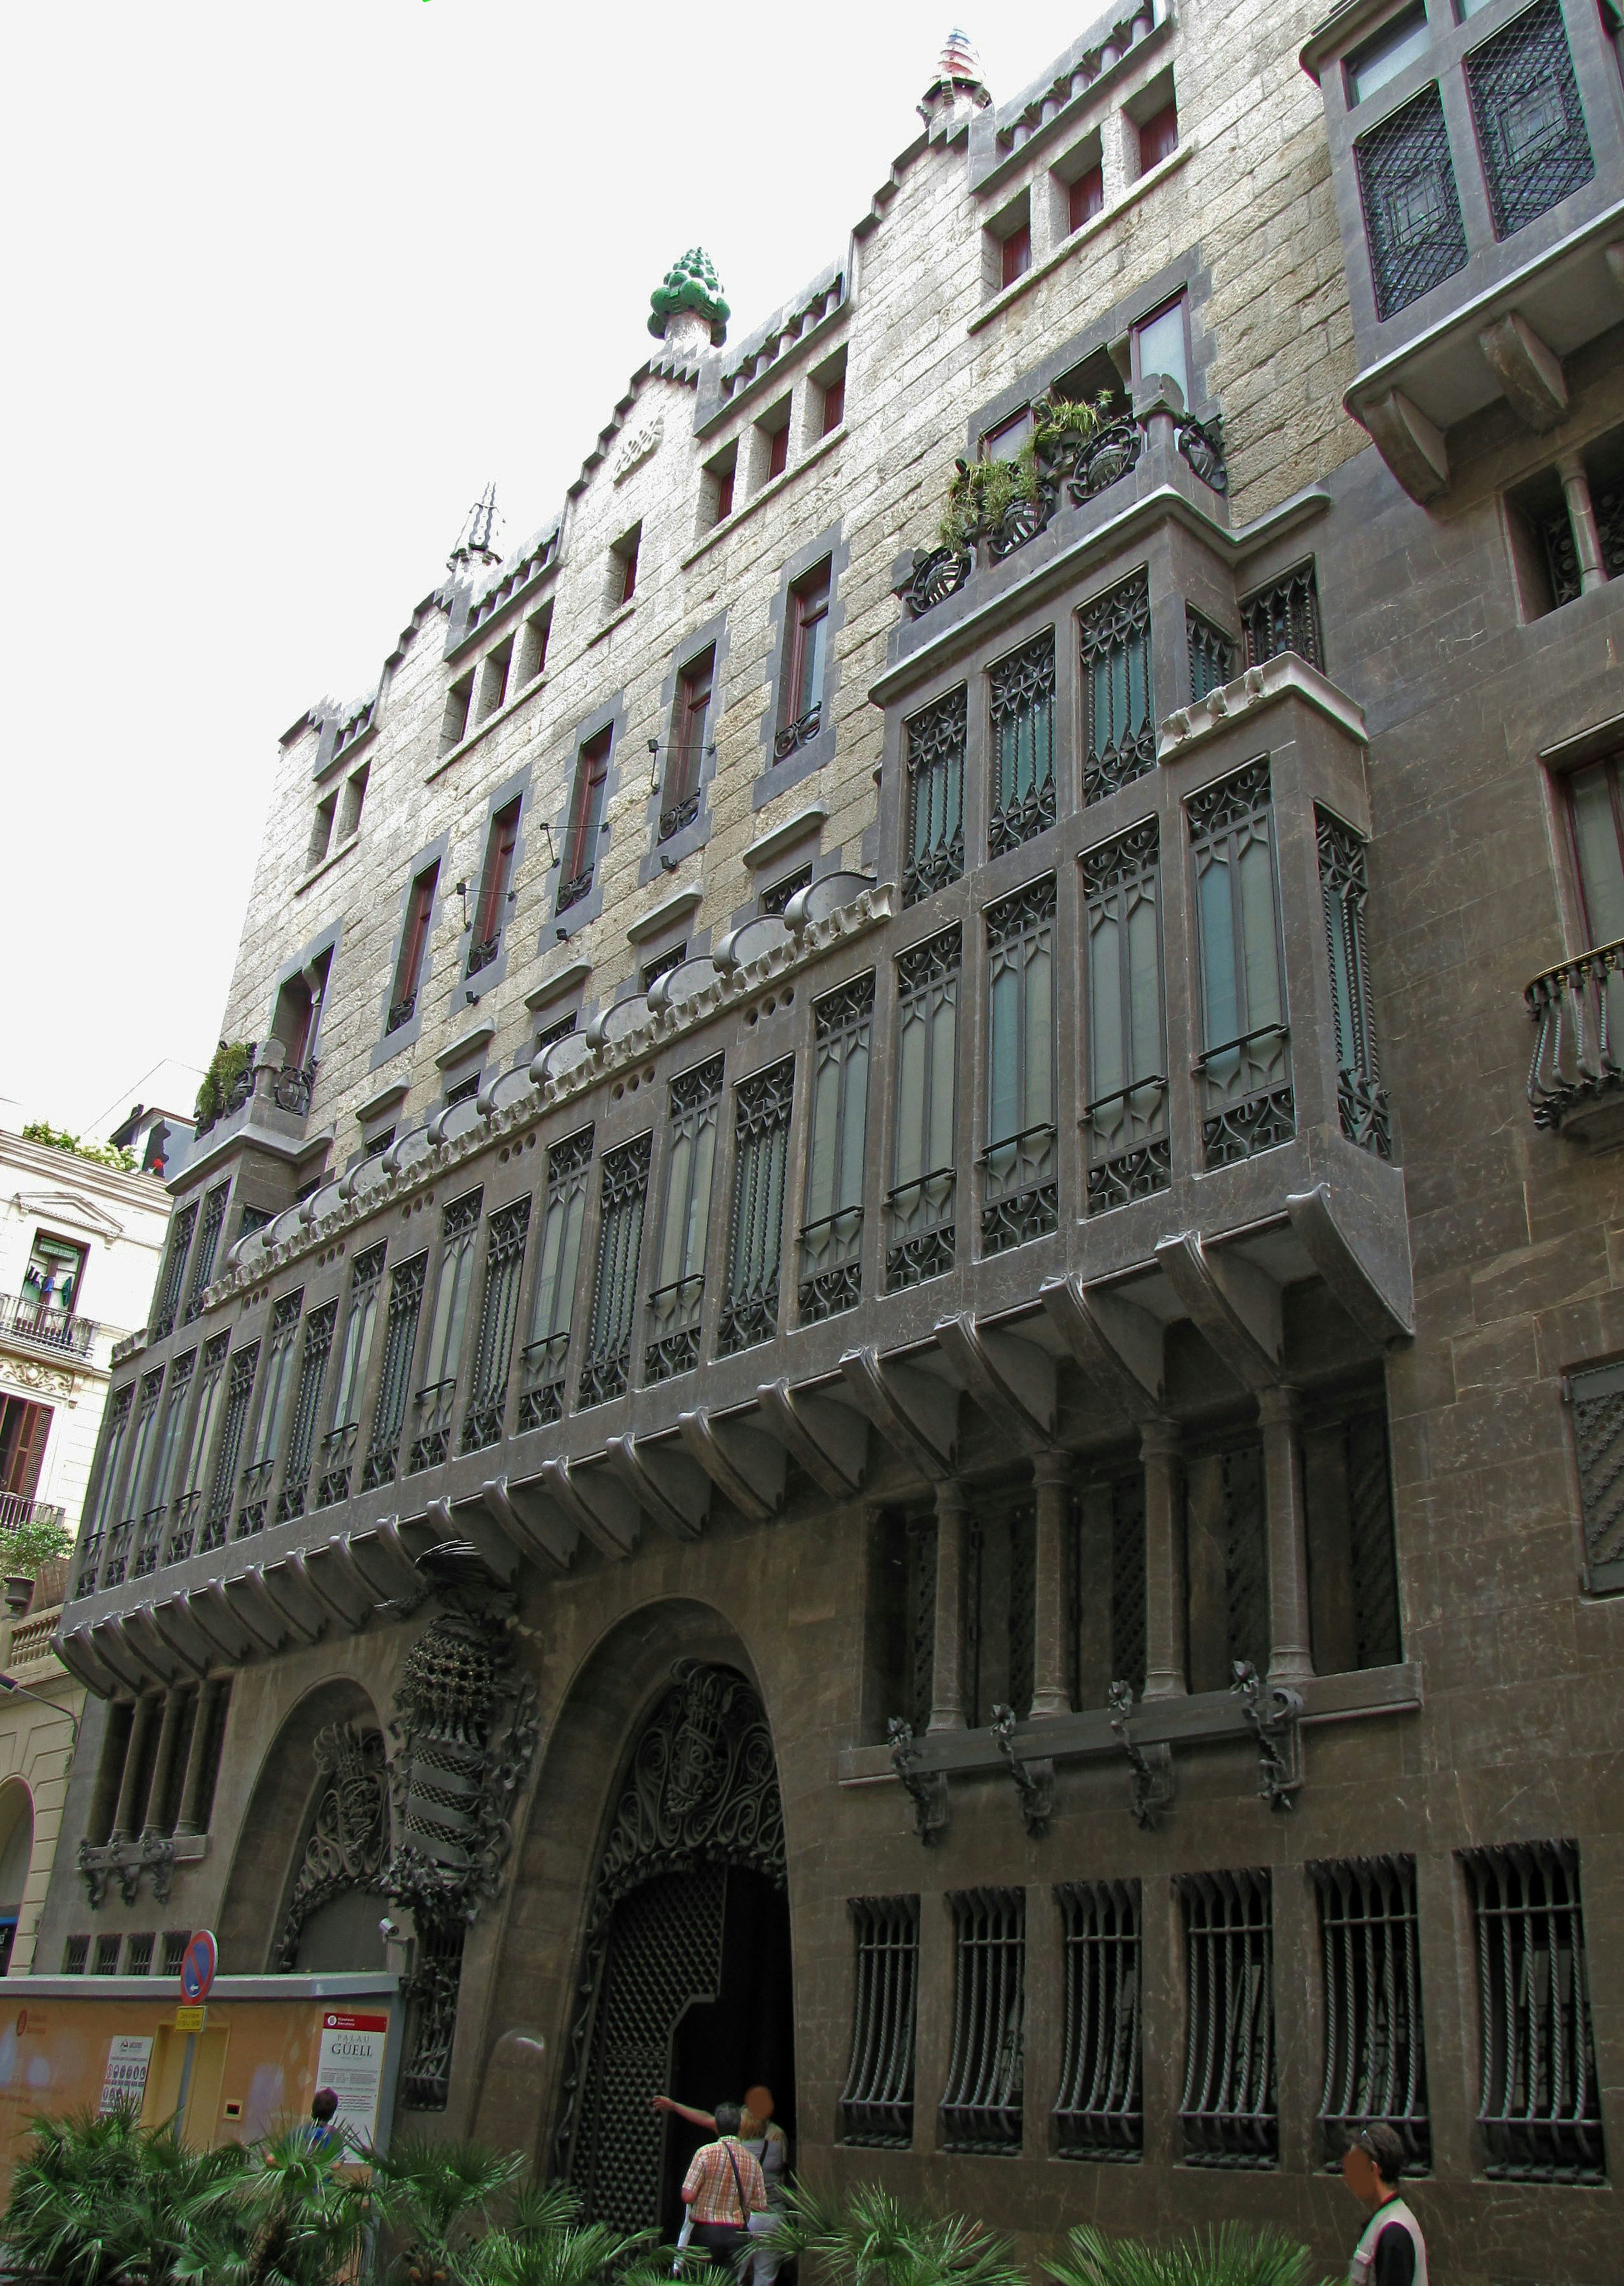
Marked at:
<point>16,1858</point>
<point>685,1984</point>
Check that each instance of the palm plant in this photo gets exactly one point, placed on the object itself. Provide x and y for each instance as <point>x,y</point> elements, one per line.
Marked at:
<point>437,2198</point>
<point>101,2201</point>
<point>297,2214</point>
<point>873,2240</point>
<point>1233,2255</point>
<point>546,2244</point>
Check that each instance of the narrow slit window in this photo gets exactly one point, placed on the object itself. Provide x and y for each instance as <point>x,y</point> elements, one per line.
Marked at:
<point>761,1108</point>
<point>350,1383</point>
<point>1022,696</point>
<point>413,944</point>
<point>504,1265</point>
<point>491,909</point>
<point>280,1348</point>
<point>1362,1100</point>
<point>552,1305</point>
<point>1100,2111</point>
<point>1125,1115</point>
<point>205,1416</point>
<point>406,1300</point>
<point>1228,2104</point>
<point>921,1242</point>
<point>691,717</point>
<point>579,863</point>
<point>238,1392</point>
<point>1244,1071</point>
<point>934,853</point>
<point>605,1369</point>
<point>458,1234</point>
<point>831,1234</point>
<point>982,2110</point>
<point>1020,1197</point>
<point>1119,715</point>
<point>319,1326</point>
<point>802,704</point>
<point>675,1306</point>
<point>1375,2057</point>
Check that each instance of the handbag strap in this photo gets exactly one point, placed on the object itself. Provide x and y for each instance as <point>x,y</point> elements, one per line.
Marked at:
<point>743,2211</point>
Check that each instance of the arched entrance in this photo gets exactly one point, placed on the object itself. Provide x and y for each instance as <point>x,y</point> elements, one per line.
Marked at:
<point>685,1982</point>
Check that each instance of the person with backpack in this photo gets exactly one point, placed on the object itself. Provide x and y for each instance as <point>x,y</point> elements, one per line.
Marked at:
<point>1392,2251</point>
<point>723,2188</point>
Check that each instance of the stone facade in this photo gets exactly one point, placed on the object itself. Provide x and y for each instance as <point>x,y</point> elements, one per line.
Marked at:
<point>990,1478</point>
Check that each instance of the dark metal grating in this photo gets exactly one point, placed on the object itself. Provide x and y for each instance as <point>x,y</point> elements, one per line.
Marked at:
<point>1022,692</point>
<point>504,1264</point>
<point>1215,657</point>
<point>1596,1396</point>
<point>982,2109</point>
<point>935,812</point>
<point>876,2102</point>
<point>1373,1555</point>
<point>1228,2103</point>
<point>1128,1579</point>
<point>1120,744</point>
<point>1282,617</point>
<point>1099,2114</point>
<point>405,1296</point>
<point>1345,888</point>
<point>1531,130</point>
<point>1413,223</point>
<point>622,1199</point>
<point>762,1106</point>
<point>1375,2050</point>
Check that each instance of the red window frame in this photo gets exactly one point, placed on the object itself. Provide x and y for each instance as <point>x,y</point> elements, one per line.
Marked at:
<point>778,452</point>
<point>809,610</point>
<point>501,843</point>
<point>691,713</point>
<point>1016,254</point>
<point>1085,198</point>
<point>415,935</point>
<point>724,491</point>
<point>586,807</point>
<point>834,402</point>
<point>1158,137</point>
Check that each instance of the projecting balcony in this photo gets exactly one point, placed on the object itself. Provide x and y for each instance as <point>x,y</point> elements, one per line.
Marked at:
<point>39,1327</point>
<point>1575,1082</point>
<point>15,1511</point>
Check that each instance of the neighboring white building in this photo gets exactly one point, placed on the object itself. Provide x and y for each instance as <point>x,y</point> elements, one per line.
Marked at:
<point>37,1749</point>
<point>79,1246</point>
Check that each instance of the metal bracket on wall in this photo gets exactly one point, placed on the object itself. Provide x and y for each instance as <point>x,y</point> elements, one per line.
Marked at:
<point>1034,1780</point>
<point>925,1789</point>
<point>1280,1741</point>
<point>1152,1769</point>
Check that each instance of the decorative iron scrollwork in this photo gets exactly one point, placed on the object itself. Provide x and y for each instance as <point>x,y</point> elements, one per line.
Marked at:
<point>1152,1772</point>
<point>925,1789</point>
<point>1273,1713</point>
<point>936,574</point>
<point>349,1836</point>
<point>1034,1780</point>
<point>794,735</point>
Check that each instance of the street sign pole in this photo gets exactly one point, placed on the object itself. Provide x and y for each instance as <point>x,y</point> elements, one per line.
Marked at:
<point>197,1973</point>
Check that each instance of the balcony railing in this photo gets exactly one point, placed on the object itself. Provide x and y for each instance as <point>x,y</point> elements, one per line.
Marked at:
<point>1575,1066</point>
<point>15,1511</point>
<point>288,1086</point>
<point>673,1344</point>
<point>56,1330</point>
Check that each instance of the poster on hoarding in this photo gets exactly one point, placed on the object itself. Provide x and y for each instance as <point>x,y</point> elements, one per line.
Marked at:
<point>129,2056</point>
<point>350,2061</point>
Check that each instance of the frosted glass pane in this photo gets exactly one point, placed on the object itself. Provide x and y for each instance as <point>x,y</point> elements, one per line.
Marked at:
<point>1217,955</point>
<point>1105,1008</point>
<point>1039,1051</point>
<point>1257,928</point>
<point>1144,991</point>
<point>1162,347</point>
<point>1003,1059</point>
<point>1600,872</point>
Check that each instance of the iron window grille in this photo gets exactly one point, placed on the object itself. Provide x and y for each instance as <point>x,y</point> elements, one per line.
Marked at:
<point>99,1506</point>
<point>1540,2107</point>
<point>459,1235</point>
<point>1282,617</point>
<point>921,1202</point>
<point>1099,2113</point>
<point>76,1956</point>
<point>685,756</point>
<point>175,1943</point>
<point>1244,1071</point>
<point>238,1392</point>
<point>546,1353</point>
<point>921,1618</point>
<point>168,1298</point>
<point>1128,1579</point>
<point>1126,1117</point>
<point>208,1240</point>
<point>675,1306</point>
<point>504,1264</point>
<point>762,1110</point>
<point>662,965</point>
<point>1375,2053</point>
<point>559,1030</point>
<point>1215,657</point>
<point>1119,713</point>
<point>306,1404</point>
<point>774,899</point>
<point>934,855</point>
<point>149,1541</point>
<point>1020,1187</point>
<point>261,1465</point>
<point>831,1236</point>
<point>1362,1100</point>
<point>1413,226</point>
<point>876,2102</point>
<point>145,1417</point>
<point>1226,1537</point>
<point>139,1953</point>
<point>210,1396</point>
<point>1531,130</point>
<point>355,1352</point>
<point>106,1955</point>
<point>1022,708</point>
<point>1372,1575</point>
<point>1595,1394</point>
<point>1227,2106</point>
<point>1001,1588</point>
<point>405,1302</point>
<point>981,2108</point>
<point>621,1199</point>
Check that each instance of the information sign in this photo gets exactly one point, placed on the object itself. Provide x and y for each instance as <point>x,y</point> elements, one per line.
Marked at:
<point>350,2061</point>
<point>123,2080</point>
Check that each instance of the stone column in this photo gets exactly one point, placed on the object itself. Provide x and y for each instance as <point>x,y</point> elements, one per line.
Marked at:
<point>197,1757</point>
<point>163,1766</point>
<point>1165,1618</point>
<point>1052,1477</point>
<point>1290,1655</point>
<point>947,1710</point>
<point>1582,516</point>
<point>110,1772</point>
<point>128,1817</point>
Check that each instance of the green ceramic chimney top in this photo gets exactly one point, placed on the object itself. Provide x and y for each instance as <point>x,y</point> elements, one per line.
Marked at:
<point>690,284</point>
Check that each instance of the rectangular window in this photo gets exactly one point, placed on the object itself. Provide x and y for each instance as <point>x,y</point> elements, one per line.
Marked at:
<point>355,1352</point>
<point>1352,1568</point>
<point>876,2102</point>
<point>1596,821</point>
<point>1245,1064</point>
<point>1413,226</point>
<point>495,894</point>
<point>24,1430</point>
<point>1160,345</point>
<point>493,679</point>
<point>719,480</point>
<point>453,721</point>
<point>166,1301</point>
<point>459,1232</point>
<point>146,1428</point>
<point>691,717</point>
<point>922,1238</point>
<point>673,1344</point>
<point>761,1108</point>
<point>76,1954</point>
<point>621,1202</point>
<point>580,841</point>
<point>139,1953</point>
<point>1284,617</point>
<point>1000,1600</point>
<point>1021,691</point>
<point>982,2109</point>
<point>777,450</point>
<point>261,1465</point>
<point>210,1397</point>
<point>623,567</point>
<point>1596,1396</point>
<point>319,1326</point>
<point>1158,140</point>
<point>405,1299</point>
<point>354,801</point>
<point>552,1307</point>
<point>1531,130</point>
<point>98,1507</point>
<point>1020,1197</point>
<point>1539,2115</point>
<point>106,1955</point>
<point>775,899</point>
<point>413,944</point>
<point>1119,713</point>
<point>831,383</point>
<point>207,1241</point>
<point>801,703</point>
<point>532,645</point>
<point>238,1393</point>
<point>1228,2104</point>
<point>504,1264</point>
<point>1215,657</point>
<point>663,964</point>
<point>1099,2114</point>
<point>165,1466</point>
<point>1084,198</point>
<point>321,830</point>
<point>1394,48</point>
<point>934,853</point>
<point>831,1236</point>
<point>1374,2056</point>
<point>1362,1100</point>
<point>1226,1564</point>
<point>1015,254</point>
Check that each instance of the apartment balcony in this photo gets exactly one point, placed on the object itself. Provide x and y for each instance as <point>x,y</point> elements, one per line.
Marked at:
<point>15,1511</point>
<point>38,1328</point>
<point>1575,1080</point>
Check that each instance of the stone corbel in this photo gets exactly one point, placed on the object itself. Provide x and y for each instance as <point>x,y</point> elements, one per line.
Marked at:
<point>1530,373</point>
<point>1113,1342</point>
<point>597,1504</point>
<point>72,1648</point>
<point>912,1410</point>
<point>1010,1379</point>
<point>337,1565</point>
<point>1412,446</point>
<point>1235,1306</point>
<point>315,1586</point>
<point>1274,1713</point>
<point>672,1490</point>
<point>925,1789</point>
<point>1385,1316</point>
<point>748,1468</point>
<point>530,1525</point>
<point>111,1646</point>
<point>152,1646</point>
<point>1152,1768</point>
<point>174,1621</point>
<point>1034,1780</point>
<point>263,1613</point>
<point>828,1439</point>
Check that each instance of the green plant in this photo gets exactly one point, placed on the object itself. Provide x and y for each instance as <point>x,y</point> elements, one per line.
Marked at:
<point>873,2240</point>
<point>982,492</point>
<point>58,1139</point>
<point>1233,2255</point>
<point>436,2196</point>
<point>296,2214</point>
<point>460,2214</point>
<point>226,1065</point>
<point>26,1546</point>
<point>103,2202</point>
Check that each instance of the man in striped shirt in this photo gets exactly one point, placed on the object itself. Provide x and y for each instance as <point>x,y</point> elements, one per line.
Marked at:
<point>723,2188</point>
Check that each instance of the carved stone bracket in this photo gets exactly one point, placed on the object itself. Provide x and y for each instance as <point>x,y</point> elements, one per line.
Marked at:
<point>126,1862</point>
<point>1274,1713</point>
<point>1034,1780</point>
<point>925,1789</point>
<point>1153,1770</point>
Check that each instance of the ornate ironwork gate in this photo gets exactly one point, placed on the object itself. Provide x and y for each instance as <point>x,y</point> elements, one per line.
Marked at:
<point>700,1796</point>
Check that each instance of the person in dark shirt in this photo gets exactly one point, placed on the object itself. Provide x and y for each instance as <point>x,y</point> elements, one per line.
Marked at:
<point>1392,2251</point>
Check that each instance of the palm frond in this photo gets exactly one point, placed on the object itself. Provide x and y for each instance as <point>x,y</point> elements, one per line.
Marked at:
<point>1234,2254</point>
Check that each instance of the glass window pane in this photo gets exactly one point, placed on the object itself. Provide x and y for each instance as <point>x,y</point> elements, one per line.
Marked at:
<point>820,1169</point>
<point>1105,1005</point>
<point>1256,868</point>
<point>944,1033</point>
<point>1143,992</point>
<point>910,1099</point>
<point>1003,1054</point>
<point>1039,1051</point>
<point>1601,871</point>
<point>1218,954</point>
<point>850,1192</point>
<point>1160,344</point>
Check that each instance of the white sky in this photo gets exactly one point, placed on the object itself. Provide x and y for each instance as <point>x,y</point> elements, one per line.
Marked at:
<point>285,286</point>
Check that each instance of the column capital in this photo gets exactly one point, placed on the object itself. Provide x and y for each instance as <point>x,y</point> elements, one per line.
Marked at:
<point>1160,1439</point>
<point>1054,1468</point>
<point>952,1497</point>
<point>1280,1407</point>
